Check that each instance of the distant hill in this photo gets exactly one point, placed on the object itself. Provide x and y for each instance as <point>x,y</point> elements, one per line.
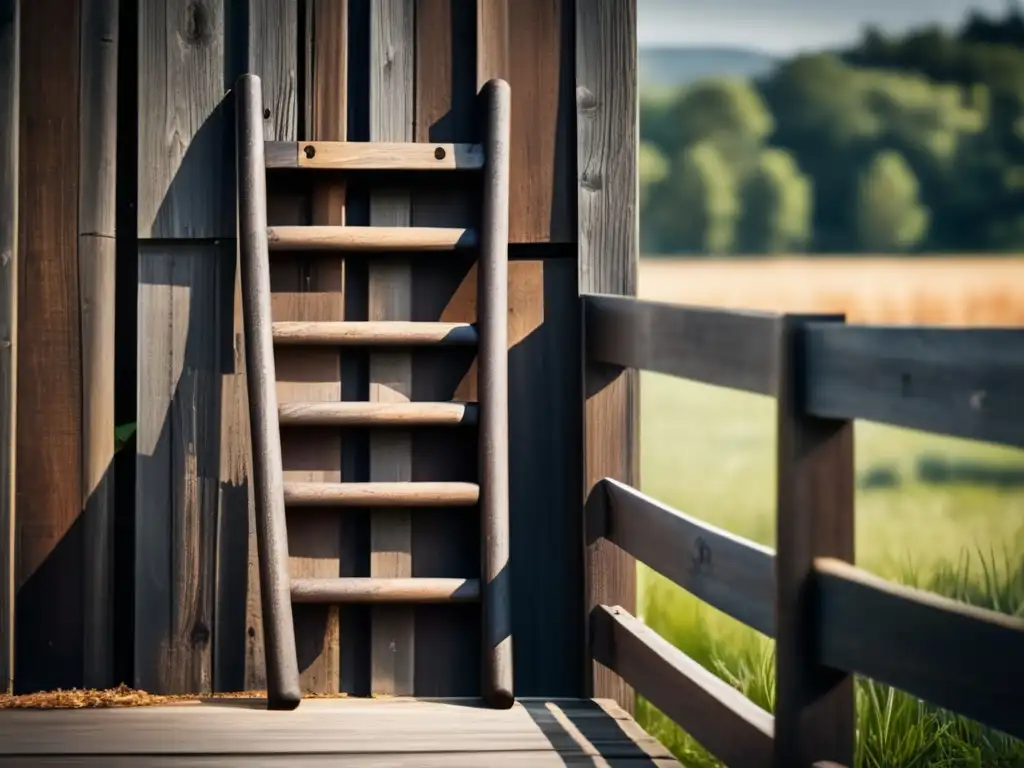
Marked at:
<point>678,66</point>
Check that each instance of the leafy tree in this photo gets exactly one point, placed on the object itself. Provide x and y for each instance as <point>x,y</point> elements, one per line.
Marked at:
<point>696,209</point>
<point>777,204</point>
<point>890,217</point>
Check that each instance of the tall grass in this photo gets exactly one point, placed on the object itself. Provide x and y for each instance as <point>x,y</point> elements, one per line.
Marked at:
<point>894,729</point>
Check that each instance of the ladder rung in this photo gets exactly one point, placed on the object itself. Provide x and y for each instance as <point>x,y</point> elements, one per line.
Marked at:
<point>375,239</point>
<point>343,414</point>
<point>384,590</point>
<point>380,333</point>
<point>406,494</point>
<point>374,156</point>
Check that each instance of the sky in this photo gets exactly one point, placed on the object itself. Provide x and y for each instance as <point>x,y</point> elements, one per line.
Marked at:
<point>789,26</point>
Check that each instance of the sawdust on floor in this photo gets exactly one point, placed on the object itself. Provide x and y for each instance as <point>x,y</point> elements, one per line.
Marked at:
<point>122,696</point>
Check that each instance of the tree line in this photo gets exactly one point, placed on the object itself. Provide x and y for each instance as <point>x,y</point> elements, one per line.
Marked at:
<point>900,144</point>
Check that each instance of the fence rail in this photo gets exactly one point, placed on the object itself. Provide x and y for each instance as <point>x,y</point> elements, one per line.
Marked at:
<point>829,618</point>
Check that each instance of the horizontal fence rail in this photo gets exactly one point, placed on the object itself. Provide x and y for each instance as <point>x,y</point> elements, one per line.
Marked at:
<point>730,349</point>
<point>959,382</point>
<point>830,619</point>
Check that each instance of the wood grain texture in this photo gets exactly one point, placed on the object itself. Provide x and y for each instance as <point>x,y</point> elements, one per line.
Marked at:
<point>379,414</point>
<point>446,542</point>
<point>96,266</point>
<point>9,81</point>
<point>283,690</point>
<point>377,156</point>
<point>723,720</point>
<point>377,333</point>
<point>178,468</point>
<point>528,44</point>
<point>814,705</point>
<point>382,494</point>
<point>272,50</point>
<point>915,641</point>
<point>309,290</point>
<point>392,76</point>
<point>186,180</point>
<point>370,239</point>
<point>719,347</point>
<point>734,575</point>
<point>385,590</point>
<point>274,58</point>
<point>49,612</point>
<point>382,732</point>
<point>606,180</point>
<point>960,382</point>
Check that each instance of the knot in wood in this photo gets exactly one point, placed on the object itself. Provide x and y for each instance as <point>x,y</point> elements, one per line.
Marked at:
<point>200,634</point>
<point>591,181</point>
<point>197,24</point>
<point>586,101</point>
<point>701,554</point>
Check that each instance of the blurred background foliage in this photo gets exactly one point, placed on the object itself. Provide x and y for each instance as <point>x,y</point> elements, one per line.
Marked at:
<point>909,144</point>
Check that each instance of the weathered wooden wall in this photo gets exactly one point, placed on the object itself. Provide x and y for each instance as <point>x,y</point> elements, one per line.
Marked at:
<point>8,327</point>
<point>404,70</point>
<point>65,319</point>
<point>606,141</point>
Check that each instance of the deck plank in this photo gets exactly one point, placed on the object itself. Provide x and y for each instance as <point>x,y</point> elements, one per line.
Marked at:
<point>373,732</point>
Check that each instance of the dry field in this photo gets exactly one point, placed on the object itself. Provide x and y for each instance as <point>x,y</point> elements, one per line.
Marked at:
<point>918,291</point>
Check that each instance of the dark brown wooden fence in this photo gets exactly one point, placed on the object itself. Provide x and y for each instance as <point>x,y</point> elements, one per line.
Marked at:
<point>830,620</point>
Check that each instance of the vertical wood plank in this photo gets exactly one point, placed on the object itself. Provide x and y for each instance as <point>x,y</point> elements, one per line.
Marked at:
<point>238,637</point>
<point>606,118</point>
<point>9,80</point>
<point>48,643</point>
<point>186,177</point>
<point>814,706</point>
<point>445,542</point>
<point>96,264</point>
<point>178,464</point>
<point>392,50</point>
<point>185,194</point>
<point>313,289</point>
<point>528,44</point>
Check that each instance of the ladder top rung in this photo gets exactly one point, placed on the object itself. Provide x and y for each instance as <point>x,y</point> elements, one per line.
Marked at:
<point>392,333</point>
<point>384,590</point>
<point>373,156</point>
<point>381,494</point>
<point>325,238</point>
<point>376,414</point>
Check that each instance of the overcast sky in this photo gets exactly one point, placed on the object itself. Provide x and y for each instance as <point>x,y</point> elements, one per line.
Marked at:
<point>787,26</point>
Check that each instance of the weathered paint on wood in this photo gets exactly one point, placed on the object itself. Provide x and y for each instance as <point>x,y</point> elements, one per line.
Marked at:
<point>392,63</point>
<point>96,267</point>
<point>528,44</point>
<point>606,119</point>
<point>49,610</point>
<point>814,705</point>
<point>186,175</point>
<point>9,79</point>
<point>315,290</point>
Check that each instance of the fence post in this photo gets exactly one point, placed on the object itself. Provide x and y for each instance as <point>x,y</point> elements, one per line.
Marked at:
<point>814,705</point>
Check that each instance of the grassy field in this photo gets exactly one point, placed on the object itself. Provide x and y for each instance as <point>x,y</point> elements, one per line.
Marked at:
<point>709,452</point>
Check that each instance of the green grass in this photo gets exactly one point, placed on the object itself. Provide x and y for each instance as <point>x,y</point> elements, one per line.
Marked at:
<point>710,452</point>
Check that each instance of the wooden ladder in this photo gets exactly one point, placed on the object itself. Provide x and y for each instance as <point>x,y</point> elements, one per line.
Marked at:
<point>489,333</point>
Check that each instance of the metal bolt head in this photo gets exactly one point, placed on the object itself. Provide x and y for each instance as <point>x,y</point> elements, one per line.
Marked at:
<point>310,150</point>
<point>439,153</point>
<point>266,114</point>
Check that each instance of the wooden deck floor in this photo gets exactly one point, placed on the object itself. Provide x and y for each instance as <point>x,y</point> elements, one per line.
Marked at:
<point>397,733</point>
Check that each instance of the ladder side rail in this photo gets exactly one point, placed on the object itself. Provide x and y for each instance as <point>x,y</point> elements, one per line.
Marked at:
<point>492,298</point>
<point>283,691</point>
